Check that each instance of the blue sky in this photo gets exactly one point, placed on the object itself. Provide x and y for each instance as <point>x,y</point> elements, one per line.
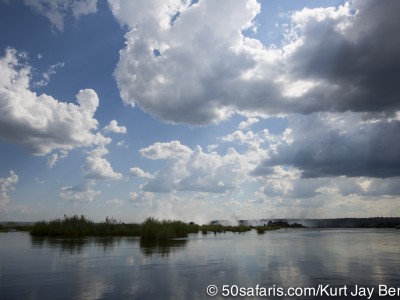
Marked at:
<point>199,111</point>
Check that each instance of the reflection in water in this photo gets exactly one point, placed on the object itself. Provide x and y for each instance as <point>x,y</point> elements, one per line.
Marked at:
<point>162,248</point>
<point>74,245</point>
<point>77,245</point>
<point>126,268</point>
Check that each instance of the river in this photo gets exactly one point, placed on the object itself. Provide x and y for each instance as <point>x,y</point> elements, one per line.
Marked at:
<point>286,264</point>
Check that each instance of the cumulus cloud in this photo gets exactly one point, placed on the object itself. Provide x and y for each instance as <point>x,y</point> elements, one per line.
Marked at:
<point>7,185</point>
<point>82,193</point>
<point>199,68</point>
<point>40,123</point>
<point>212,147</point>
<point>58,10</point>
<point>325,154</point>
<point>141,199</point>
<point>349,56</point>
<point>328,156</point>
<point>189,97</point>
<point>210,172</point>
<point>138,172</point>
<point>55,157</point>
<point>339,144</point>
<point>173,149</point>
<point>113,127</point>
<point>134,13</point>
<point>345,168</point>
<point>97,167</point>
<point>248,123</point>
<point>293,188</point>
<point>195,170</point>
<point>330,196</point>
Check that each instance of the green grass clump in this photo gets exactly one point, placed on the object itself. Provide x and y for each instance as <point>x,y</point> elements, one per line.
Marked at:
<point>153,229</point>
<point>260,229</point>
<point>275,226</point>
<point>68,226</point>
<point>239,229</point>
<point>76,226</point>
<point>217,228</point>
<point>113,228</point>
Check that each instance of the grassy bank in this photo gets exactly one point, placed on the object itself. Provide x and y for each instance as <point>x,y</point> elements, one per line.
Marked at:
<point>153,229</point>
<point>150,229</point>
<point>81,226</point>
<point>276,225</point>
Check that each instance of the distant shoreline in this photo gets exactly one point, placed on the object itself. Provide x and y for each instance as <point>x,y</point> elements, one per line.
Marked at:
<point>372,222</point>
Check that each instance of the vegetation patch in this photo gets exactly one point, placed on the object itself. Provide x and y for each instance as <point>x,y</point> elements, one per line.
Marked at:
<point>151,229</point>
<point>76,226</point>
<point>275,226</point>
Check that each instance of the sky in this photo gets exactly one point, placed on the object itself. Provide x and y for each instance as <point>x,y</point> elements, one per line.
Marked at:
<point>199,110</point>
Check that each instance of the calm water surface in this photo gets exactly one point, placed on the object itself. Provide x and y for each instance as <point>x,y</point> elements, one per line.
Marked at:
<point>125,268</point>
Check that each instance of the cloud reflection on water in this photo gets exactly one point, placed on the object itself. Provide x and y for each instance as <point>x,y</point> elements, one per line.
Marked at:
<point>126,268</point>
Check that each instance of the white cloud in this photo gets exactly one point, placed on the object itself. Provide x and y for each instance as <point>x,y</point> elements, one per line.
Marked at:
<point>210,172</point>
<point>141,199</point>
<point>55,157</point>
<point>138,172</point>
<point>212,147</point>
<point>172,149</point>
<point>58,10</point>
<point>83,7</point>
<point>122,144</point>
<point>195,170</point>
<point>274,164</point>
<point>201,69</point>
<point>46,75</point>
<point>40,123</point>
<point>113,127</point>
<point>329,197</point>
<point>82,193</point>
<point>7,185</point>
<point>248,123</point>
<point>239,136</point>
<point>133,13</point>
<point>293,188</point>
<point>179,47</point>
<point>97,167</point>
